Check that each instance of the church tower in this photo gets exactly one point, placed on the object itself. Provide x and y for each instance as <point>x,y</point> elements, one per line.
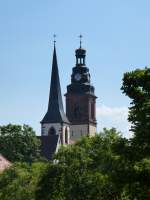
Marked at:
<point>55,125</point>
<point>81,99</point>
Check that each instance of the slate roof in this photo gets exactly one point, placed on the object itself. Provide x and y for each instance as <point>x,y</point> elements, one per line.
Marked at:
<point>55,112</point>
<point>49,145</point>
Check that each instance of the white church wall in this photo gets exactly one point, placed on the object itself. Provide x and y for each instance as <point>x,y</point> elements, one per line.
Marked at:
<point>59,128</point>
<point>77,131</point>
<point>46,127</point>
<point>92,130</point>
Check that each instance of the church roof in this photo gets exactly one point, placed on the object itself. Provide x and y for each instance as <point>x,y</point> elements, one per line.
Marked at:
<point>4,163</point>
<point>55,112</point>
<point>49,145</point>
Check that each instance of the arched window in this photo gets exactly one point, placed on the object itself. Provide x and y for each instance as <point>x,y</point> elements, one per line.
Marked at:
<point>66,135</point>
<point>52,131</point>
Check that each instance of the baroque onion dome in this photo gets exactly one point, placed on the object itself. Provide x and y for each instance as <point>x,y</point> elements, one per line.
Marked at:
<point>80,98</point>
<point>80,78</point>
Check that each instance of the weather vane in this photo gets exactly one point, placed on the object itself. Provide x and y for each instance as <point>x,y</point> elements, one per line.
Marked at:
<point>80,36</point>
<point>54,36</point>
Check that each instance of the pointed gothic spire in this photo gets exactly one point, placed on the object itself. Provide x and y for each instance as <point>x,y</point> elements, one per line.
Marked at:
<point>55,113</point>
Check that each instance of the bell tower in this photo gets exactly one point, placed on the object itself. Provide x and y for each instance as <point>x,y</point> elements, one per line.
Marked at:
<point>81,99</point>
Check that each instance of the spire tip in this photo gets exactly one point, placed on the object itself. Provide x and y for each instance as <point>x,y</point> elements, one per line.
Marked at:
<point>54,36</point>
<point>80,36</point>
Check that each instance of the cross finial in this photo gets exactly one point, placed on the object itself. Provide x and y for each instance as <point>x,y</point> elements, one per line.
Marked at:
<point>80,36</point>
<point>54,38</point>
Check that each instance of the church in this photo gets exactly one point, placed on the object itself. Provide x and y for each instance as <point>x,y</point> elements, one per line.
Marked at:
<point>63,128</point>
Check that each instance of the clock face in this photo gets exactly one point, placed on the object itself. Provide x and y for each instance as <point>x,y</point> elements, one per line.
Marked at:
<point>77,76</point>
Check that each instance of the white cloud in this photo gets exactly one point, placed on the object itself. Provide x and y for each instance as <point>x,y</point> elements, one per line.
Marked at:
<point>106,111</point>
<point>113,117</point>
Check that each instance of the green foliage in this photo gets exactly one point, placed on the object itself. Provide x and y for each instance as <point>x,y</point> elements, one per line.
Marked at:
<point>19,143</point>
<point>82,171</point>
<point>104,167</point>
<point>19,182</point>
<point>136,85</point>
<point>52,183</point>
<point>107,166</point>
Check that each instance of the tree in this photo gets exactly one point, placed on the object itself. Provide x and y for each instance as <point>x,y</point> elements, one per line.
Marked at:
<point>108,166</point>
<point>19,182</point>
<point>19,143</point>
<point>82,171</point>
<point>136,85</point>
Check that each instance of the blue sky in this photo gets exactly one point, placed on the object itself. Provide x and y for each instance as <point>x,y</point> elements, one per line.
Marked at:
<point>116,37</point>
